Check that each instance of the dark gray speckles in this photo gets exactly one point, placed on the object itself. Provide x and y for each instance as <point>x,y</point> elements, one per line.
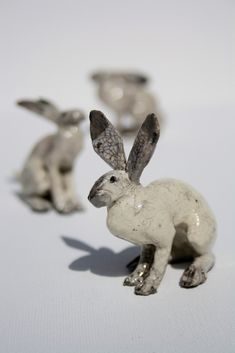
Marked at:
<point>98,123</point>
<point>106,141</point>
<point>99,181</point>
<point>154,138</point>
<point>143,147</point>
<point>95,187</point>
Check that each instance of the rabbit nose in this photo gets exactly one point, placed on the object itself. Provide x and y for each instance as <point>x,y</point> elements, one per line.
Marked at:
<point>92,194</point>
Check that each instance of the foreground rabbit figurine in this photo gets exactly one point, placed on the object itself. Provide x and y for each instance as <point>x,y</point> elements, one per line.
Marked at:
<point>168,218</point>
<point>47,176</point>
<point>126,94</point>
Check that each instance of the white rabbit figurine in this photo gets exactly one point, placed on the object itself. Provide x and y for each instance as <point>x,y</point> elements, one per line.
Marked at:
<point>47,176</point>
<point>168,218</point>
<point>127,95</point>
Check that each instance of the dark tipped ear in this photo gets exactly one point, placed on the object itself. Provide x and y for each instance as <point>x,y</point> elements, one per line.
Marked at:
<point>98,76</point>
<point>42,107</point>
<point>143,147</point>
<point>136,78</point>
<point>106,141</point>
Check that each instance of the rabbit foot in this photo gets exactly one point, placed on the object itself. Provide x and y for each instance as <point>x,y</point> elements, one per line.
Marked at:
<point>36,203</point>
<point>67,206</point>
<point>137,276</point>
<point>147,287</point>
<point>133,280</point>
<point>192,277</point>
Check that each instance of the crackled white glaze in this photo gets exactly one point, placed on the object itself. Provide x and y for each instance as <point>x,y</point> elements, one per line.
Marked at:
<point>168,219</point>
<point>147,215</point>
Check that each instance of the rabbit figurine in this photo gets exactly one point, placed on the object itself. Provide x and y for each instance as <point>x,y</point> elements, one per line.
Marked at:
<point>168,219</point>
<point>47,176</point>
<point>126,94</point>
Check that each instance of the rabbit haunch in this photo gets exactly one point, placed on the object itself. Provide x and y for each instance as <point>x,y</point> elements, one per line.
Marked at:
<point>168,218</point>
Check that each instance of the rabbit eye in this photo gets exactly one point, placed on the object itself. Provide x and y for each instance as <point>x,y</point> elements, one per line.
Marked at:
<point>113,179</point>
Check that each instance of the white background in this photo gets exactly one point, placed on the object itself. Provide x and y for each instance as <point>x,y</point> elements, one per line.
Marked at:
<point>66,296</point>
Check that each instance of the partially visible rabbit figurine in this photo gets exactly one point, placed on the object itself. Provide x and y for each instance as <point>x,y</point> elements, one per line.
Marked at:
<point>127,95</point>
<point>47,176</point>
<point>168,218</point>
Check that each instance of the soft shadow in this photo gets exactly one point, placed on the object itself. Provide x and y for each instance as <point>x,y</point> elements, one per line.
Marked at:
<point>102,261</point>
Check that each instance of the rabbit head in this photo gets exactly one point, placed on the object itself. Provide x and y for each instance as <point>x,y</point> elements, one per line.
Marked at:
<point>108,144</point>
<point>50,111</point>
<point>129,77</point>
<point>109,188</point>
<point>71,117</point>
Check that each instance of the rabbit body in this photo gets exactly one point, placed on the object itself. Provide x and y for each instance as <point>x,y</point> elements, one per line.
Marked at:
<point>150,215</point>
<point>47,176</point>
<point>57,151</point>
<point>168,219</point>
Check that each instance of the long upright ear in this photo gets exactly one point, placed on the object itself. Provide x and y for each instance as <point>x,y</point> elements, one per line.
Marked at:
<point>106,141</point>
<point>99,76</point>
<point>41,107</point>
<point>143,147</point>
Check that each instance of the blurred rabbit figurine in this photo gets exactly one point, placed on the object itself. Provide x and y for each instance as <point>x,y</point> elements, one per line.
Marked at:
<point>47,176</point>
<point>126,94</point>
<point>168,218</point>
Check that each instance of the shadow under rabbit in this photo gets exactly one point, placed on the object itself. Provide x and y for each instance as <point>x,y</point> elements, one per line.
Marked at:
<point>103,261</point>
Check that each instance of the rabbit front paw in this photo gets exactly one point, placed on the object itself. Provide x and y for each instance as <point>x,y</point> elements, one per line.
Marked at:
<point>133,280</point>
<point>137,276</point>
<point>67,206</point>
<point>147,287</point>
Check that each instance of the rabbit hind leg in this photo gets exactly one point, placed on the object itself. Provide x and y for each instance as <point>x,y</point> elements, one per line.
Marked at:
<point>36,187</point>
<point>200,238</point>
<point>195,274</point>
<point>35,178</point>
<point>36,203</point>
<point>182,250</point>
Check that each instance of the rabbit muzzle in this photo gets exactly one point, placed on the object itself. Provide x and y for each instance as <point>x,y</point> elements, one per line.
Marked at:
<point>98,197</point>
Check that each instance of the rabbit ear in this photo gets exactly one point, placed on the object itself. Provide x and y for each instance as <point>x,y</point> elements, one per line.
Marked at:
<point>41,107</point>
<point>106,141</point>
<point>99,76</point>
<point>136,78</point>
<point>143,147</point>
